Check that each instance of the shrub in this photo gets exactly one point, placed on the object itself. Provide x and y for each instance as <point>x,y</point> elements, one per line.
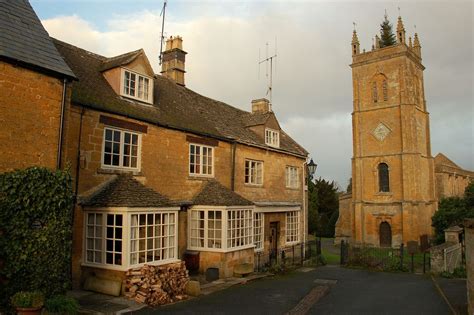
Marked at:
<point>36,228</point>
<point>25,299</point>
<point>61,304</point>
<point>453,211</point>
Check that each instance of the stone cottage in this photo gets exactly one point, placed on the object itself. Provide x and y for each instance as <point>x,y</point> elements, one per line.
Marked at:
<point>159,170</point>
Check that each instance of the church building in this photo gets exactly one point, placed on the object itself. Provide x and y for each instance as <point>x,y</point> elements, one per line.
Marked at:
<point>394,176</point>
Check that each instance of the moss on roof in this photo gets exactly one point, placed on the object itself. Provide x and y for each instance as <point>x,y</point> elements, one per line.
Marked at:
<point>174,106</point>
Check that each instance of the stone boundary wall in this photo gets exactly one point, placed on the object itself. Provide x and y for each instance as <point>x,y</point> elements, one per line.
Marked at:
<point>344,223</point>
<point>437,254</point>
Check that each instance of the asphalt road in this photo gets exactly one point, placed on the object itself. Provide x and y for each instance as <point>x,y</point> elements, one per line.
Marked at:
<point>356,292</point>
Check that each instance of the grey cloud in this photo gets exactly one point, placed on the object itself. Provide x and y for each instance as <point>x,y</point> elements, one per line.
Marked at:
<point>312,84</point>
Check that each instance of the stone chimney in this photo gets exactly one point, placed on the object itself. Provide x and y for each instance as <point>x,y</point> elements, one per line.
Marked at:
<point>174,57</point>
<point>261,105</point>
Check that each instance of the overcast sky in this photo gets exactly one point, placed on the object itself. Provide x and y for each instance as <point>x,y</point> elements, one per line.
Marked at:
<point>312,89</point>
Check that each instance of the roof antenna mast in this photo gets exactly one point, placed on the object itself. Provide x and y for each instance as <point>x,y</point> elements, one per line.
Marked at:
<point>163,11</point>
<point>268,60</point>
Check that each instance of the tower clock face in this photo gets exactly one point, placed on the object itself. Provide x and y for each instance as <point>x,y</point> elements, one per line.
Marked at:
<point>381,131</point>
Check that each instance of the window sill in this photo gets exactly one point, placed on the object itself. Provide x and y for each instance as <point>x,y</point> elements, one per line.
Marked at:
<point>103,266</point>
<point>155,263</point>
<point>292,188</point>
<point>200,177</point>
<point>113,171</point>
<point>384,194</point>
<point>220,250</point>
<point>125,268</point>
<point>253,185</point>
<point>292,243</point>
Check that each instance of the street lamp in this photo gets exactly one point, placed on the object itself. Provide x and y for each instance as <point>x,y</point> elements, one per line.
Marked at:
<point>312,168</point>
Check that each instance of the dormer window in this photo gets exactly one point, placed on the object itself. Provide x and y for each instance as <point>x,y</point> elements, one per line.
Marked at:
<point>272,137</point>
<point>136,86</point>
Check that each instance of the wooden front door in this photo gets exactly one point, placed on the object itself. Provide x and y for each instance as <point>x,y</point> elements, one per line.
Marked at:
<point>274,236</point>
<point>385,232</point>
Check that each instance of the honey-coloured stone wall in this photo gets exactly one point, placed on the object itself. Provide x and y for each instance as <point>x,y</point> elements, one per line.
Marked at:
<point>30,111</point>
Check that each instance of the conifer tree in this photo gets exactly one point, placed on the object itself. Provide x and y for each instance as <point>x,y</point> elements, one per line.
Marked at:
<point>387,38</point>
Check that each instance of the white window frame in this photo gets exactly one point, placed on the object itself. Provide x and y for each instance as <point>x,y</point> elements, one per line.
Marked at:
<point>239,228</point>
<point>171,250</point>
<point>126,236</point>
<point>292,227</point>
<point>292,177</point>
<point>253,170</point>
<point>137,78</point>
<point>201,158</point>
<point>258,232</point>
<point>272,137</point>
<point>225,211</point>
<point>121,149</point>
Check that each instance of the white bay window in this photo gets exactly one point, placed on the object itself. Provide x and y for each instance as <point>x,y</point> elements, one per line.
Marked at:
<point>220,228</point>
<point>126,239</point>
<point>293,227</point>
<point>258,231</point>
<point>152,237</point>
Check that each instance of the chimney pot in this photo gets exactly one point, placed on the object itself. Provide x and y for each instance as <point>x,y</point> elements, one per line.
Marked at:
<point>261,105</point>
<point>174,58</point>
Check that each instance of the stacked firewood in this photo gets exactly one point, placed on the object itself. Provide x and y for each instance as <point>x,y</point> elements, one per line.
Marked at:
<point>157,285</point>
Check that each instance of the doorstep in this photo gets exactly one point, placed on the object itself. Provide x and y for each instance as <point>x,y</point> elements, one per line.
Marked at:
<point>92,303</point>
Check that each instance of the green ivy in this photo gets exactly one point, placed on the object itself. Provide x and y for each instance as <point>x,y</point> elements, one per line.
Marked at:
<point>35,232</point>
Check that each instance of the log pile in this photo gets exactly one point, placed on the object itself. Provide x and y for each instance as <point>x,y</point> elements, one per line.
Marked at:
<point>157,285</point>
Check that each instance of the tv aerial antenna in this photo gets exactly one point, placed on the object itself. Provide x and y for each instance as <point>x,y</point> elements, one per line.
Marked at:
<point>269,74</point>
<point>163,11</point>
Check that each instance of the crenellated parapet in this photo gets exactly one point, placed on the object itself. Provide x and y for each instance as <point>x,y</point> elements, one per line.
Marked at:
<point>413,50</point>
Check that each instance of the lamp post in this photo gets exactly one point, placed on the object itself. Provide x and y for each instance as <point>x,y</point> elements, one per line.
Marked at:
<point>311,169</point>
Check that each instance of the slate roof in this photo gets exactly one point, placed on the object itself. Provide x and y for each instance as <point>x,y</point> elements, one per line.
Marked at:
<point>214,193</point>
<point>121,60</point>
<point>125,191</point>
<point>174,106</point>
<point>256,119</point>
<point>24,39</point>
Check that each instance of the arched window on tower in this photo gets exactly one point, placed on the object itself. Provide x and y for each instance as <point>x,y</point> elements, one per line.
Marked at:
<point>384,181</point>
<point>385,90</point>
<point>374,92</point>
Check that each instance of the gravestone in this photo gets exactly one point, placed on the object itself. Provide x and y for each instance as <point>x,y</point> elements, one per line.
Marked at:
<point>412,247</point>
<point>424,242</point>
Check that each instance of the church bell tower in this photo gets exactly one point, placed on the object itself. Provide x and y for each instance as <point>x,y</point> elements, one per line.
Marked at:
<point>393,192</point>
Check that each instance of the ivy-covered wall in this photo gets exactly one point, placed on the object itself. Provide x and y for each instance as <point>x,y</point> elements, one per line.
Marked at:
<point>35,232</point>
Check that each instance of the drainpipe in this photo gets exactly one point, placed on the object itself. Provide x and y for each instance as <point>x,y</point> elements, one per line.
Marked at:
<point>61,125</point>
<point>232,174</point>
<point>78,161</point>
<point>78,154</point>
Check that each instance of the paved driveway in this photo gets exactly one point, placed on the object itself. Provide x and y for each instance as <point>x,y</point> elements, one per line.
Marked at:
<point>356,292</point>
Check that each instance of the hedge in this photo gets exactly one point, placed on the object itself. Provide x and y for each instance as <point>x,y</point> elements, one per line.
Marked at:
<point>35,232</point>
